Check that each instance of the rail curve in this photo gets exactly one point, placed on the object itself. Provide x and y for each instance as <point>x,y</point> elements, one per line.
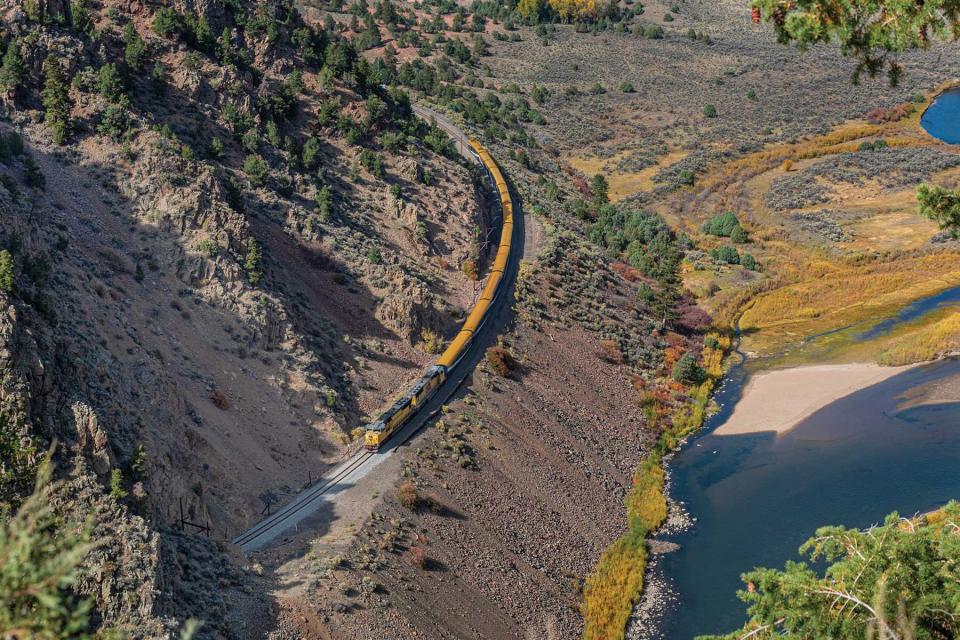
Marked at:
<point>437,384</point>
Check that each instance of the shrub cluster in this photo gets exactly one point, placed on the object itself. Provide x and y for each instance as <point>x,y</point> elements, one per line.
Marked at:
<point>501,361</point>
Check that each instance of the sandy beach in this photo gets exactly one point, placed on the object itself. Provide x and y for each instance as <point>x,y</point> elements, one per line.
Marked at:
<point>779,400</point>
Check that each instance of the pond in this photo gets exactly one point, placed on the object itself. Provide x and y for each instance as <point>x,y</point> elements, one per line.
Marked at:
<point>942,118</point>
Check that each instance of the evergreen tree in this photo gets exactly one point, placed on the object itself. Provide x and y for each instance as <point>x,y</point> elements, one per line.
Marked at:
<point>872,32</point>
<point>600,189</point>
<point>940,205</point>
<point>252,262</point>
<point>12,69</point>
<point>110,82</point>
<point>135,52</point>
<point>225,47</point>
<point>40,557</point>
<point>687,371</point>
<point>899,580</point>
<point>324,203</point>
<point>6,271</point>
<point>56,100</point>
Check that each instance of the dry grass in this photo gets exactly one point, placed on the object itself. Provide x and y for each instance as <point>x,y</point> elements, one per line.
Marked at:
<point>929,342</point>
<point>622,184</point>
<point>832,297</point>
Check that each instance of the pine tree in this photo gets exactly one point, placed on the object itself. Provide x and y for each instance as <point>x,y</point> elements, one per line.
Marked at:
<point>252,262</point>
<point>56,100</point>
<point>896,580</point>
<point>940,205</point>
<point>600,190</point>
<point>868,31</point>
<point>40,557</point>
<point>12,69</point>
<point>6,271</point>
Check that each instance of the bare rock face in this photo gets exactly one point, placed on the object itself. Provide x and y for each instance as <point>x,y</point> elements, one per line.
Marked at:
<point>92,441</point>
<point>410,169</point>
<point>409,308</point>
<point>210,10</point>
<point>127,598</point>
<point>406,212</point>
<point>179,206</point>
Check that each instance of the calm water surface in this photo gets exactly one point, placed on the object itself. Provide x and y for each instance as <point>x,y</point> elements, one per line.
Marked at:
<point>757,498</point>
<point>942,118</point>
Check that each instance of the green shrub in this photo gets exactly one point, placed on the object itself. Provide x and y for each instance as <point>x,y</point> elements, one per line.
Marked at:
<point>252,262</point>
<point>748,262</point>
<point>653,32</point>
<point>110,82</point>
<point>6,271</point>
<point>626,87</point>
<point>114,122</point>
<point>374,256</point>
<point>256,169</point>
<point>722,225</point>
<point>687,371</point>
<point>710,111</point>
<point>166,22</point>
<point>728,255</point>
<point>324,200</point>
<point>216,148</point>
<point>310,155</point>
<point>34,175</point>
<point>136,51</point>
<point>208,247</point>
<point>738,235</point>
<point>116,484</point>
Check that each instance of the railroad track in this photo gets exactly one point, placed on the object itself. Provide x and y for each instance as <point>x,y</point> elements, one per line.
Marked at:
<point>349,472</point>
<point>302,503</point>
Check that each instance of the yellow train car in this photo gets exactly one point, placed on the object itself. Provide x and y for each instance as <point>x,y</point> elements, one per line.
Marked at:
<point>379,431</point>
<point>453,350</point>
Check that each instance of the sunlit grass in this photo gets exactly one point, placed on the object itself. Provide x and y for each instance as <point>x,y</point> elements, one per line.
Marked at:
<point>616,584</point>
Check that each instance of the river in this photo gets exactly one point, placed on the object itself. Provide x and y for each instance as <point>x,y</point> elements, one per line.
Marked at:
<point>754,499</point>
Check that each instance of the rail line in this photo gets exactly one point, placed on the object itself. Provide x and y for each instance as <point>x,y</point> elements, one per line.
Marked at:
<point>421,403</point>
<point>305,499</point>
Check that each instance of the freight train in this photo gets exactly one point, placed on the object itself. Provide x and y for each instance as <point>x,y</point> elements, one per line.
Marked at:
<point>378,431</point>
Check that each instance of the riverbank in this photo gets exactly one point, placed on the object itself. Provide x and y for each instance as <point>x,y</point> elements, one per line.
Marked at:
<point>779,400</point>
<point>755,498</point>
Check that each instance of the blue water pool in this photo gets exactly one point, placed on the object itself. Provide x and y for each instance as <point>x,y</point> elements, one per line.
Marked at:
<point>942,119</point>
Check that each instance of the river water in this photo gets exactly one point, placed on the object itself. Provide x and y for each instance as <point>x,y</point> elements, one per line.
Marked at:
<point>756,498</point>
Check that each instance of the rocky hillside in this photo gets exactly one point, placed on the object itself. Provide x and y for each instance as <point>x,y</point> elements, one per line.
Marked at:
<point>224,245</point>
